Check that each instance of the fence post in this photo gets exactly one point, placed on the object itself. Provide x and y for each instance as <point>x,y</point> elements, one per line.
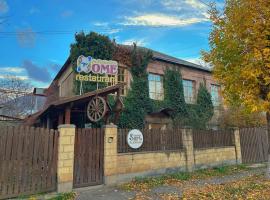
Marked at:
<point>187,139</point>
<point>110,154</point>
<point>237,144</point>
<point>65,158</point>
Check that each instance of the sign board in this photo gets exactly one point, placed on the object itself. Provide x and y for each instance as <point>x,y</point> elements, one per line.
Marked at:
<point>135,138</point>
<point>96,70</point>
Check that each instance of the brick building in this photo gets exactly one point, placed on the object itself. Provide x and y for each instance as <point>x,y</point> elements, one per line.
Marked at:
<point>63,84</point>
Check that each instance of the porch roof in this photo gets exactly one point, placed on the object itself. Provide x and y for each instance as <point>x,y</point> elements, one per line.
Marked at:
<point>62,102</point>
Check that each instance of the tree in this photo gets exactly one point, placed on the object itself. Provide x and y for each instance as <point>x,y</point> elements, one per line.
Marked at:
<point>15,97</point>
<point>240,54</point>
<point>204,107</point>
<point>174,96</point>
<point>95,45</point>
<point>137,102</point>
<point>235,116</point>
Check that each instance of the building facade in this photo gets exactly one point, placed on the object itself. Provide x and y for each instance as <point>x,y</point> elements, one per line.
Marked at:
<point>192,74</point>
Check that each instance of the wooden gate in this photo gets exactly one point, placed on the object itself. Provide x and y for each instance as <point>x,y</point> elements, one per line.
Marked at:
<point>254,145</point>
<point>88,162</point>
<point>27,161</point>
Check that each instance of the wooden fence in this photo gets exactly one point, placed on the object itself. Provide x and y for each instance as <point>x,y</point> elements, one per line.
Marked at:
<point>254,144</point>
<point>212,138</point>
<point>153,140</point>
<point>27,161</point>
<point>89,157</point>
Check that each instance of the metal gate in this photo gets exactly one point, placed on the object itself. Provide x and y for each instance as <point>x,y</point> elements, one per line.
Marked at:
<point>88,162</point>
<point>254,144</point>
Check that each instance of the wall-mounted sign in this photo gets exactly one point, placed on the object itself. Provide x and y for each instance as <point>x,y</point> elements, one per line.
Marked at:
<point>135,139</point>
<point>98,68</point>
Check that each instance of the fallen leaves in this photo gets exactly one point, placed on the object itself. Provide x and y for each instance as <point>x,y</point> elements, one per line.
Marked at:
<point>254,187</point>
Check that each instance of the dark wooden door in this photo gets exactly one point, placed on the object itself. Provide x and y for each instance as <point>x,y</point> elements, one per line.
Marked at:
<point>254,145</point>
<point>88,162</point>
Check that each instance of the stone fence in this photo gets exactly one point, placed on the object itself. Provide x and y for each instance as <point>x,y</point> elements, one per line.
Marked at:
<point>122,167</point>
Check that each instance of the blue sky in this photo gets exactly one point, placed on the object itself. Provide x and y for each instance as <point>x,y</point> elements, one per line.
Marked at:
<point>35,36</point>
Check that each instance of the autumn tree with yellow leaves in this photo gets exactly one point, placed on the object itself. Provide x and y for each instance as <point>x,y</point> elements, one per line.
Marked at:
<point>240,54</point>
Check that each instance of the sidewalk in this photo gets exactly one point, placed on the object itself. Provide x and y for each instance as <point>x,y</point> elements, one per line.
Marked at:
<point>114,193</point>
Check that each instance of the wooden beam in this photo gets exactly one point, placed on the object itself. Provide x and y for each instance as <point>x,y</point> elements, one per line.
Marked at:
<point>67,114</point>
<point>60,118</point>
<point>48,120</point>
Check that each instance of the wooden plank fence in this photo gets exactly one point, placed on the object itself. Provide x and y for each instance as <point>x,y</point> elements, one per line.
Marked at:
<point>254,144</point>
<point>89,156</point>
<point>212,138</point>
<point>153,140</point>
<point>27,160</point>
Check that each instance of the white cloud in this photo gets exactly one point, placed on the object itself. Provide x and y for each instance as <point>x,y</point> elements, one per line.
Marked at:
<point>173,4</point>
<point>19,77</point>
<point>3,7</point>
<point>103,24</point>
<point>198,61</point>
<point>160,20</point>
<point>196,4</point>
<point>11,69</point>
<point>178,5</point>
<point>105,28</point>
<point>139,42</point>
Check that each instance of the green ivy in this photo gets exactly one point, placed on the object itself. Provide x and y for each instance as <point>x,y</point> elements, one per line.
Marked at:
<point>204,108</point>
<point>174,96</point>
<point>137,102</point>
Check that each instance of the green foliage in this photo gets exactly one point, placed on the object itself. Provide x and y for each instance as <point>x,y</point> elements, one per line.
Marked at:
<point>194,115</point>
<point>174,96</point>
<point>95,45</point>
<point>204,107</point>
<point>65,196</point>
<point>137,102</point>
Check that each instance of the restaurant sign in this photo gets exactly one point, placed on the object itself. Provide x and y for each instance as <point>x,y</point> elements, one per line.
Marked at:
<point>96,70</point>
<point>135,139</point>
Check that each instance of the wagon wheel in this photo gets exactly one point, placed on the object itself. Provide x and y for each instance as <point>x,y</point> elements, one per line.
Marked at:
<point>96,109</point>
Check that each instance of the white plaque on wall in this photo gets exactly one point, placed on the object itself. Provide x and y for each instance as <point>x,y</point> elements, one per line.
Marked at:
<point>135,138</point>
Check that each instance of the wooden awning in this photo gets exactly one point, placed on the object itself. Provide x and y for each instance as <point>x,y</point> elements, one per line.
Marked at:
<point>63,102</point>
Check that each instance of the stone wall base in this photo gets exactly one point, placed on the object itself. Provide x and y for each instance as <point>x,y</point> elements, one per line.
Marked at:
<point>64,187</point>
<point>215,164</point>
<point>123,178</point>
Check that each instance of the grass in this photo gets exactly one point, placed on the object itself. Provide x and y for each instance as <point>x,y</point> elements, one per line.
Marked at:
<point>142,184</point>
<point>60,196</point>
<point>65,196</point>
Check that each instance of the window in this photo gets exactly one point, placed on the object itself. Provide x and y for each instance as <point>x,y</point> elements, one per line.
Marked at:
<point>215,91</point>
<point>188,86</point>
<point>156,87</point>
<point>121,78</point>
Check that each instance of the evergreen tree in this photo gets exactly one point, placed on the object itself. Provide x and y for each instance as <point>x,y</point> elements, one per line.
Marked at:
<point>95,45</point>
<point>174,96</point>
<point>137,102</point>
<point>204,107</point>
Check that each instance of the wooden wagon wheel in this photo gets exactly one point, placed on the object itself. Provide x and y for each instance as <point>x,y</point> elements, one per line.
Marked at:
<point>96,109</point>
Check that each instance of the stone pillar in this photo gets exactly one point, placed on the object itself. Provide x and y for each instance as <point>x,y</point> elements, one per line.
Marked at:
<point>238,155</point>
<point>188,147</point>
<point>65,158</point>
<point>110,154</point>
